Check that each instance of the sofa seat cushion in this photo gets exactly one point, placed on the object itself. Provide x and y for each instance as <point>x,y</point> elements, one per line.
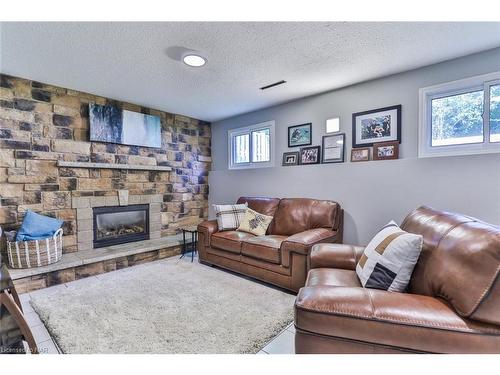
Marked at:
<point>263,247</point>
<point>332,277</point>
<point>400,320</point>
<point>230,240</point>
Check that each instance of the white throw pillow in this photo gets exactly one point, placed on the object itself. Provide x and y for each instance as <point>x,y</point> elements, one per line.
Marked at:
<point>229,216</point>
<point>388,261</point>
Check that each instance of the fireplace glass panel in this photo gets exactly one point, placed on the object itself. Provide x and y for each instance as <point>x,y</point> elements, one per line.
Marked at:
<point>114,225</point>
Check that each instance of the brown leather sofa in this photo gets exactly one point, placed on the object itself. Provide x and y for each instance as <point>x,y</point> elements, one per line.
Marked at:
<point>279,257</point>
<point>452,304</point>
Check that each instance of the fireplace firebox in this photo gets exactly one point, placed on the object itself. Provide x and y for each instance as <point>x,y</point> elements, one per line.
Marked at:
<point>120,224</point>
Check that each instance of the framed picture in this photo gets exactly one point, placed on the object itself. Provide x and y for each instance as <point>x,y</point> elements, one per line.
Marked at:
<point>290,158</point>
<point>360,154</point>
<point>378,125</point>
<point>310,155</point>
<point>300,135</point>
<point>333,148</point>
<point>386,150</point>
<point>115,125</point>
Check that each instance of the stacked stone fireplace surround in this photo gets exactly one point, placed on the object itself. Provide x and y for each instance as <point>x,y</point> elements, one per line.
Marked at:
<point>48,165</point>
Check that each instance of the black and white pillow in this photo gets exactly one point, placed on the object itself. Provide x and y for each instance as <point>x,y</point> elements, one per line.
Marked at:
<point>388,261</point>
<point>229,216</point>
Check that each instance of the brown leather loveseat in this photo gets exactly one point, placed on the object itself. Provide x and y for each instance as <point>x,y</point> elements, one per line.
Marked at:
<point>279,257</point>
<point>452,305</point>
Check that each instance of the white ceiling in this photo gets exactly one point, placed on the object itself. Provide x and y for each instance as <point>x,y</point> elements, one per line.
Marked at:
<point>133,61</point>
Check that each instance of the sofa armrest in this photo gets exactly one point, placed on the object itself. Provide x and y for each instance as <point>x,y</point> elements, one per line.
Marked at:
<point>335,256</point>
<point>301,243</point>
<point>207,228</point>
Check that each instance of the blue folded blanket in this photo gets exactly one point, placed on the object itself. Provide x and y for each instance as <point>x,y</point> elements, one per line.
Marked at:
<point>37,227</point>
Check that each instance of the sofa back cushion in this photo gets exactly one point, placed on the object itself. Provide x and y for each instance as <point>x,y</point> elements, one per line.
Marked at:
<point>296,215</point>
<point>264,206</point>
<point>459,262</point>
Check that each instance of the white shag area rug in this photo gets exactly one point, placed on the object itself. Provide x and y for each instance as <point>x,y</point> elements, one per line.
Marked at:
<point>167,306</point>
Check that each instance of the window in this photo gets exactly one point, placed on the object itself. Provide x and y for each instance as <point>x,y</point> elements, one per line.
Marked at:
<point>495,113</point>
<point>251,146</point>
<point>460,117</point>
<point>242,149</point>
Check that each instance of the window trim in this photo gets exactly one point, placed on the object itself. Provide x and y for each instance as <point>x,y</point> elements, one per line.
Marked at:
<point>231,134</point>
<point>462,86</point>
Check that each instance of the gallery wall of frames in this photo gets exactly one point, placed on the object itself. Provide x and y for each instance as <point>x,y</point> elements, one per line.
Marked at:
<point>376,135</point>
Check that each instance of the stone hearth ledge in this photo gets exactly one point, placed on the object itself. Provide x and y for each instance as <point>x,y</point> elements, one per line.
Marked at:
<point>80,258</point>
<point>76,164</point>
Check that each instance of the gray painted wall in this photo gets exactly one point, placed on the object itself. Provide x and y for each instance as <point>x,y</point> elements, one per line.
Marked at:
<point>374,192</point>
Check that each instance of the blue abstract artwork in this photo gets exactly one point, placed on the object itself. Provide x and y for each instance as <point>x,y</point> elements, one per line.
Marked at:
<point>115,125</point>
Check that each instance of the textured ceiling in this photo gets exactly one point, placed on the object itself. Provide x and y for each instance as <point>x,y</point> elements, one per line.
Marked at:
<point>136,62</point>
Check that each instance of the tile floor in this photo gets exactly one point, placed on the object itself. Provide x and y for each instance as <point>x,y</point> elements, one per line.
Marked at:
<point>42,337</point>
<point>283,343</point>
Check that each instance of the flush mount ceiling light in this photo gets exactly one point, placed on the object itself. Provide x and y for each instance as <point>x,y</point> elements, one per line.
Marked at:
<point>194,60</point>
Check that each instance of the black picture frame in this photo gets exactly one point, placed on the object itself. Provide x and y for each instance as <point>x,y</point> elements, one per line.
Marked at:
<point>305,149</point>
<point>291,128</point>
<point>286,155</point>
<point>356,143</point>
<point>324,153</point>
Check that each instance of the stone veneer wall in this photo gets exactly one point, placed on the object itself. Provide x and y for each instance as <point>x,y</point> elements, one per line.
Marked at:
<point>41,124</point>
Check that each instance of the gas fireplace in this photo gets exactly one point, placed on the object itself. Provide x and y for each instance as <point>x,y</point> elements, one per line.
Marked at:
<point>120,224</point>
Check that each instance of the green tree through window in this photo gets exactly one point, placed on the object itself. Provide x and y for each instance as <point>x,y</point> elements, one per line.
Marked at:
<point>458,119</point>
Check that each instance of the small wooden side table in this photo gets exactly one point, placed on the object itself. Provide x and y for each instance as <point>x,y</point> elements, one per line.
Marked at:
<point>193,230</point>
<point>10,304</point>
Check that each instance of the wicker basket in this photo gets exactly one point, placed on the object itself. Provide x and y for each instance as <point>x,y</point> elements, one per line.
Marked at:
<point>35,253</point>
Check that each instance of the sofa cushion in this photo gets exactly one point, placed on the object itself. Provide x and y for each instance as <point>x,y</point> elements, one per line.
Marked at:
<point>295,215</point>
<point>229,240</point>
<point>255,223</point>
<point>264,206</point>
<point>332,277</point>
<point>408,321</point>
<point>263,247</point>
<point>460,262</point>
<point>388,260</point>
<point>229,216</point>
